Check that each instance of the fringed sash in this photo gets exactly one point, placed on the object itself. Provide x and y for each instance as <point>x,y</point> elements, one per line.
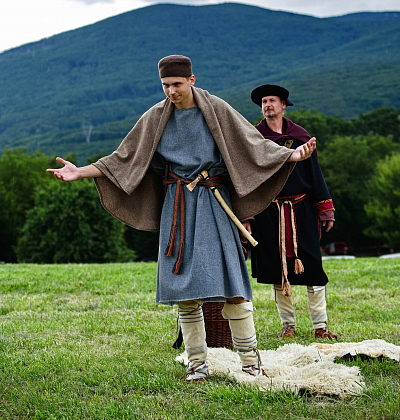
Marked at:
<point>281,202</point>
<point>180,202</point>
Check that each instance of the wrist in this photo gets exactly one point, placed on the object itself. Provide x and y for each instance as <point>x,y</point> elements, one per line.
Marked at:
<point>80,173</point>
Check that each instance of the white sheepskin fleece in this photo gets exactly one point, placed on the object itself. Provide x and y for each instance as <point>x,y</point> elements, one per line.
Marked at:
<point>370,348</point>
<point>302,368</point>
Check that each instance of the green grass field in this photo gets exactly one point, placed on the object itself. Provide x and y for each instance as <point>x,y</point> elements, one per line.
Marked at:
<point>88,342</point>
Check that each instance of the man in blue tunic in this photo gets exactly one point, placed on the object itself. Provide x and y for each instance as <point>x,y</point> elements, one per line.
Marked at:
<point>200,255</point>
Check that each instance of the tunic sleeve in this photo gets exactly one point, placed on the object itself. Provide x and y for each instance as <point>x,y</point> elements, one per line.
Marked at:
<point>321,196</point>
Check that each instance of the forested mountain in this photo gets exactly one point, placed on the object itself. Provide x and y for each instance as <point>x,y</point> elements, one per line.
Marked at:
<point>105,75</point>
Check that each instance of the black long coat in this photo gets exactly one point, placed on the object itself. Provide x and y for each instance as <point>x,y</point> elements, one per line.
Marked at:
<point>306,178</point>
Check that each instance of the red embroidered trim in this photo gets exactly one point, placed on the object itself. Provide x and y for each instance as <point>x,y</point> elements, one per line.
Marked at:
<point>325,205</point>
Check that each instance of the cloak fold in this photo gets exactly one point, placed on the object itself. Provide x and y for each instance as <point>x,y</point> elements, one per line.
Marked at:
<point>133,193</point>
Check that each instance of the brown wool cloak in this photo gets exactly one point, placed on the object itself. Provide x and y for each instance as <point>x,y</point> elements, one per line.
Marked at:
<point>133,193</point>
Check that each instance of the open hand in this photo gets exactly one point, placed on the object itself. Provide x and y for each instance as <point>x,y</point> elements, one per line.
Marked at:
<point>69,172</point>
<point>304,151</point>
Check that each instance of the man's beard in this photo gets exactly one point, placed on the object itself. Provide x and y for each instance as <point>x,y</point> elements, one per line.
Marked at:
<point>270,114</point>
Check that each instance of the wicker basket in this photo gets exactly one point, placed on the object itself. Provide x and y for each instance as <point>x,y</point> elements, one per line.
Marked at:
<point>218,333</point>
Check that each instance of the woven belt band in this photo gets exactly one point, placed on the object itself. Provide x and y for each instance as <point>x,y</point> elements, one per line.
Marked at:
<point>281,202</point>
<point>180,202</point>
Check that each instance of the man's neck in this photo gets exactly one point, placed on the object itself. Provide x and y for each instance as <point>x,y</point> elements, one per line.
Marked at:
<point>187,104</point>
<point>275,124</point>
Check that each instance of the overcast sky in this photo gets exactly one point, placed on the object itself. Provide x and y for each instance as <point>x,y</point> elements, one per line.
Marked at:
<point>23,21</point>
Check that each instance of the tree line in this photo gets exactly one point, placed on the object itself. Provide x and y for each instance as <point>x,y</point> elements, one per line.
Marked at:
<point>43,220</point>
<point>360,162</point>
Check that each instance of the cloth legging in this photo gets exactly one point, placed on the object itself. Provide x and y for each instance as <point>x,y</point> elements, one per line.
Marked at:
<point>241,323</point>
<point>316,306</point>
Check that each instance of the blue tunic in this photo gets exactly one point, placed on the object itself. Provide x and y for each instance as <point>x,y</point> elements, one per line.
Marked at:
<point>213,266</point>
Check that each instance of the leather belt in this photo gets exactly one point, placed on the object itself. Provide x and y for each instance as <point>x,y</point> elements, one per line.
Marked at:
<point>179,201</point>
<point>281,202</point>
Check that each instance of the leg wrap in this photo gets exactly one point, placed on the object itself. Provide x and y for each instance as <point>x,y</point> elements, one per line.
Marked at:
<point>193,331</point>
<point>285,307</point>
<point>244,338</point>
<point>317,306</point>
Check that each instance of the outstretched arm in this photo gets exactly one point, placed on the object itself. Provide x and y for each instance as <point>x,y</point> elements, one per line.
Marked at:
<point>303,152</point>
<point>69,172</point>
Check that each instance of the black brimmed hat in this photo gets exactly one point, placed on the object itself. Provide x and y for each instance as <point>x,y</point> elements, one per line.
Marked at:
<point>270,90</point>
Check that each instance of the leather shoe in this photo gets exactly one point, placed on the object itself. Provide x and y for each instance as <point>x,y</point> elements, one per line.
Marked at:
<point>324,333</point>
<point>197,373</point>
<point>288,331</point>
<point>254,370</point>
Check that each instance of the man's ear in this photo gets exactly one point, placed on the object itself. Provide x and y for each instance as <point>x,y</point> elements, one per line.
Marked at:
<point>192,79</point>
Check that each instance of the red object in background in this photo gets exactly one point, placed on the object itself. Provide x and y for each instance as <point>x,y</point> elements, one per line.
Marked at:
<point>336,248</point>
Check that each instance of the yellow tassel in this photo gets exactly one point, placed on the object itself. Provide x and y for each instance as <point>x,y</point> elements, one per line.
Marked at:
<point>287,290</point>
<point>298,266</point>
